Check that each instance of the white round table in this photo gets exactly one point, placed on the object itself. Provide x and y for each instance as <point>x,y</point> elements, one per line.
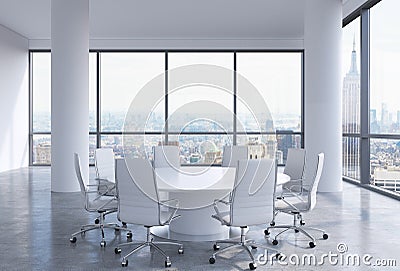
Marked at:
<point>196,188</point>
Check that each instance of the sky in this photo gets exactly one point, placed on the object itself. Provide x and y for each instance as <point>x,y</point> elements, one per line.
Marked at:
<point>385,79</point>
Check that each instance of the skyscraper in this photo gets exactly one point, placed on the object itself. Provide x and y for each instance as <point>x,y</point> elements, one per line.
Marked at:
<point>351,96</point>
<point>351,117</point>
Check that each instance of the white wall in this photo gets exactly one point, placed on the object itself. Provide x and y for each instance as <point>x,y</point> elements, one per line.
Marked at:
<point>14,100</point>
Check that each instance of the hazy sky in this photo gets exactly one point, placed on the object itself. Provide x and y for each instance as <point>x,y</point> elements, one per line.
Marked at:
<point>122,86</point>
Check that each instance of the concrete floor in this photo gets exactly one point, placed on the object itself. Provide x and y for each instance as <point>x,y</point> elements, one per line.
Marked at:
<point>36,225</point>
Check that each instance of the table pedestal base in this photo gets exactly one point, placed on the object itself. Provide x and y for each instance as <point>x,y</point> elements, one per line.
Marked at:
<point>164,232</point>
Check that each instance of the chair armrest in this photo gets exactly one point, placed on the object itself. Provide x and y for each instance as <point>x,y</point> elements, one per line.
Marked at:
<point>218,215</point>
<point>174,208</point>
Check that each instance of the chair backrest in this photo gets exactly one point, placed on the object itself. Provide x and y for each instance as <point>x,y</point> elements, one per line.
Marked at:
<point>254,192</point>
<point>137,192</point>
<point>295,163</point>
<point>166,156</point>
<point>82,185</point>
<point>312,194</point>
<point>232,154</point>
<point>105,164</point>
<point>78,171</point>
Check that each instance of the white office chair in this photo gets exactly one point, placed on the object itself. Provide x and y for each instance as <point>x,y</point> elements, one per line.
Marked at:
<point>166,156</point>
<point>95,203</point>
<point>138,203</point>
<point>295,165</point>
<point>298,205</point>
<point>105,170</point>
<point>232,154</point>
<point>250,203</point>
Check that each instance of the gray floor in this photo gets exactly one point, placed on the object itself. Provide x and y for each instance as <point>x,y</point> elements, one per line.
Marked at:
<point>36,225</point>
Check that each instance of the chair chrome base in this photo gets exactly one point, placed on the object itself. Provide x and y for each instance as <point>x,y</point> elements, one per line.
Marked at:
<point>244,244</point>
<point>152,244</point>
<point>100,225</point>
<point>297,228</point>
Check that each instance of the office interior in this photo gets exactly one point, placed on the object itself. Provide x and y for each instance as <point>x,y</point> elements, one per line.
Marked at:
<point>69,73</point>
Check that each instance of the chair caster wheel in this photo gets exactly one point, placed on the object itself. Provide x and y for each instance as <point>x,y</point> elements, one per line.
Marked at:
<point>103,243</point>
<point>124,263</point>
<point>302,222</point>
<point>96,221</point>
<point>253,247</point>
<point>272,223</point>
<point>275,242</point>
<point>296,230</point>
<point>216,247</point>
<point>266,233</point>
<point>325,236</point>
<point>180,250</point>
<point>211,260</point>
<point>72,239</point>
<point>252,266</point>
<point>117,250</point>
<point>124,224</point>
<point>311,244</point>
<point>167,264</point>
<point>129,235</point>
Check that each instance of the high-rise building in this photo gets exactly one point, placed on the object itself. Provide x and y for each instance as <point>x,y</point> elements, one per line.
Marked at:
<point>374,126</point>
<point>398,118</point>
<point>351,96</point>
<point>385,116</point>
<point>284,143</point>
<point>351,117</point>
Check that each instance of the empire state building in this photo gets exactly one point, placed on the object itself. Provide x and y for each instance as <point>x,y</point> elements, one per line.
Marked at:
<point>351,118</point>
<point>351,97</point>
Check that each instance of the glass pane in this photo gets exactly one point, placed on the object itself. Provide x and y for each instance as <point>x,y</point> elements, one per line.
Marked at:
<point>285,142</point>
<point>200,96</point>
<point>123,75</point>
<point>92,91</point>
<point>41,150</point>
<point>201,149</point>
<point>276,77</point>
<point>269,146</point>
<point>133,146</point>
<point>351,157</point>
<point>351,78</point>
<point>259,146</point>
<point>41,91</point>
<point>385,164</point>
<point>385,58</point>
<point>92,148</point>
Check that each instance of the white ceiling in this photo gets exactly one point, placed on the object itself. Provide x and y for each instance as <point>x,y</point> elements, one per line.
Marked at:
<point>160,19</point>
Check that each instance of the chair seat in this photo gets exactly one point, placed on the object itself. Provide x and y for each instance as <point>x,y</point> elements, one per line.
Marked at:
<point>107,203</point>
<point>301,206</point>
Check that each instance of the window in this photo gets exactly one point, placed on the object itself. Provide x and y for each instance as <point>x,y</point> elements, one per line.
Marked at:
<point>351,100</point>
<point>41,107</point>
<point>276,80</point>
<point>384,95</point>
<point>200,104</point>
<point>201,117</point>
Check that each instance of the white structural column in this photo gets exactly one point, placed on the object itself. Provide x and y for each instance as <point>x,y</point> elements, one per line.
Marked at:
<point>69,91</point>
<point>323,90</point>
